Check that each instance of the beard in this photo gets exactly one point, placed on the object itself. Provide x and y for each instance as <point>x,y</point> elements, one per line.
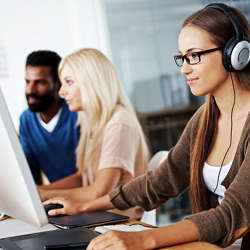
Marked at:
<point>43,102</point>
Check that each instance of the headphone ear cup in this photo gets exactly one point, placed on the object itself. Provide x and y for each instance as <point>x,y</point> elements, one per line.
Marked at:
<point>236,54</point>
<point>227,52</point>
<point>240,56</point>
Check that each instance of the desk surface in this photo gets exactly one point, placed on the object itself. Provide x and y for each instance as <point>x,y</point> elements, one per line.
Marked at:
<point>187,246</point>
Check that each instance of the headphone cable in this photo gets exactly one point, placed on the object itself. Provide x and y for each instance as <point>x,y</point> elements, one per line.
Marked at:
<point>231,134</point>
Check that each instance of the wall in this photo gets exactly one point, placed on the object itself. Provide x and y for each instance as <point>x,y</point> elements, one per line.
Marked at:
<point>143,46</point>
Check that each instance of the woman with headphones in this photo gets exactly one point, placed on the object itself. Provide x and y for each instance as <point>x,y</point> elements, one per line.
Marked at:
<point>212,157</point>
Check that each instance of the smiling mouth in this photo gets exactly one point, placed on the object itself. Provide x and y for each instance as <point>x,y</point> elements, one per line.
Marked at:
<point>191,80</point>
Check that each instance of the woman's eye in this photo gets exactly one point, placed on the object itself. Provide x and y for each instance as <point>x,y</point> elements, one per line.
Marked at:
<point>193,55</point>
<point>69,82</point>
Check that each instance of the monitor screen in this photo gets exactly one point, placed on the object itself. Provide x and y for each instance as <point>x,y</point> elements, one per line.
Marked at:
<point>19,197</point>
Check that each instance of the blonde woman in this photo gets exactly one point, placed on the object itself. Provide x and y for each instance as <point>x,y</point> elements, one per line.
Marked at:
<point>112,149</point>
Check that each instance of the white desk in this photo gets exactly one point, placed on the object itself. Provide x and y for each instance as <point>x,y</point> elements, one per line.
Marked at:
<point>14,227</point>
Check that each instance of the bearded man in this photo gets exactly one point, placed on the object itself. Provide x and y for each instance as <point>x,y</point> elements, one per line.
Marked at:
<point>48,131</point>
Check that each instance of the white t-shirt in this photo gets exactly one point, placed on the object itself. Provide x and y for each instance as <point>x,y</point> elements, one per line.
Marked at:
<point>52,123</point>
<point>210,175</point>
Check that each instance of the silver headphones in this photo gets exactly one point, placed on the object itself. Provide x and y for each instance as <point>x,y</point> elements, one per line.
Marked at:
<point>236,53</point>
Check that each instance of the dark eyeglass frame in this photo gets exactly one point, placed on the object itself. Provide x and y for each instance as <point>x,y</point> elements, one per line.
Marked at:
<point>196,53</point>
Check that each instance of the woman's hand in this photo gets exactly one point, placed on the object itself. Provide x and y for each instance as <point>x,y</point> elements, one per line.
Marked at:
<point>49,194</point>
<point>44,194</point>
<point>70,206</point>
<point>118,240</point>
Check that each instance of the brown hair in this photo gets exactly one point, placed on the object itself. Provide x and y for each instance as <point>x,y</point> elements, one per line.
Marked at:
<point>217,24</point>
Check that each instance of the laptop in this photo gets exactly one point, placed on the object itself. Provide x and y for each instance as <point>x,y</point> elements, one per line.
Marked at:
<point>46,240</point>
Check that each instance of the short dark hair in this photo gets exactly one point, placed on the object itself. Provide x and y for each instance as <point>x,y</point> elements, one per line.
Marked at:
<point>45,58</point>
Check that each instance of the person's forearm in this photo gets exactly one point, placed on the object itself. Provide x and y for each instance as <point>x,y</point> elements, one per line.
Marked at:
<point>72,181</point>
<point>80,194</point>
<point>106,180</point>
<point>102,203</point>
<point>181,232</point>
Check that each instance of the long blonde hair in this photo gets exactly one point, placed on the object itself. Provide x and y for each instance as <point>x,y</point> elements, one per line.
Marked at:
<point>220,28</point>
<point>102,92</point>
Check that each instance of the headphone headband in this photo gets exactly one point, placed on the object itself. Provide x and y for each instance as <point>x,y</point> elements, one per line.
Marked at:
<point>236,53</point>
<point>239,32</point>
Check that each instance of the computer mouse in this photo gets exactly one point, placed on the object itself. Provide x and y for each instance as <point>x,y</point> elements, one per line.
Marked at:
<point>52,206</point>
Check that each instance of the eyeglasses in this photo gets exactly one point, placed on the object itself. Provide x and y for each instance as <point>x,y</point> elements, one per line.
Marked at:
<point>192,57</point>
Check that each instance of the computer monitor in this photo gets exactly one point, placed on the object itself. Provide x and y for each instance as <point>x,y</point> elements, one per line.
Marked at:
<point>19,197</point>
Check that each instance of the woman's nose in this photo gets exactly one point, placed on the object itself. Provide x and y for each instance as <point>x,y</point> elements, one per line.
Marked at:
<point>186,68</point>
<point>62,90</point>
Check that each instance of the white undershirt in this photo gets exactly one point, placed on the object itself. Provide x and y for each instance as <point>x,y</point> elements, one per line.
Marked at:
<point>52,123</point>
<point>210,175</point>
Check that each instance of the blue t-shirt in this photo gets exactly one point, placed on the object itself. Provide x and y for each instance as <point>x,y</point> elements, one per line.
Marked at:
<point>52,152</point>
